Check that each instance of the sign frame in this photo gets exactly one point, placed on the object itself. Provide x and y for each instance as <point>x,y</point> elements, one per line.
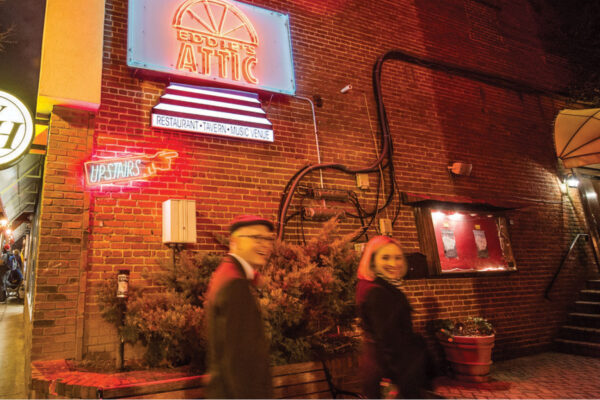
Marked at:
<point>212,111</point>
<point>160,40</point>
<point>24,134</point>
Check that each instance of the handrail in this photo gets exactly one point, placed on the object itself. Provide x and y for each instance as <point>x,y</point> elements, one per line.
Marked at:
<point>562,262</point>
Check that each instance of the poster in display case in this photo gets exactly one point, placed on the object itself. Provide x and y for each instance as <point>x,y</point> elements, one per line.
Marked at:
<point>469,241</point>
<point>457,240</point>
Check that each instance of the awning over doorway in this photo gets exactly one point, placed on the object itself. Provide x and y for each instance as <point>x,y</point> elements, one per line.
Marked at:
<point>20,185</point>
<point>577,137</point>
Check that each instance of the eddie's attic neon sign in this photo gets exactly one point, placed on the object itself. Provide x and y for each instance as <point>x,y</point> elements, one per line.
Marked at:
<point>215,33</point>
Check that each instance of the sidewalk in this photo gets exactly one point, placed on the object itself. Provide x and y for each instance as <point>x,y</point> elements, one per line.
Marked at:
<point>542,376</point>
<point>12,354</point>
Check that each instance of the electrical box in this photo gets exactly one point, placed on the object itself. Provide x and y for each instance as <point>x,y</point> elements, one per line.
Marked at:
<point>385,226</point>
<point>179,221</point>
<point>362,181</point>
<point>359,247</point>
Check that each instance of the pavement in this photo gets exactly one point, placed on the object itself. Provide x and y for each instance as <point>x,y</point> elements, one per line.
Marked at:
<point>542,376</point>
<point>12,353</point>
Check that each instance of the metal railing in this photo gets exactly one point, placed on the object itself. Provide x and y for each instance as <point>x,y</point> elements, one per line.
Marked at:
<point>564,259</point>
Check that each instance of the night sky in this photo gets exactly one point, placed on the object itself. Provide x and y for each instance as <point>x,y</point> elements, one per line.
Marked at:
<point>20,60</point>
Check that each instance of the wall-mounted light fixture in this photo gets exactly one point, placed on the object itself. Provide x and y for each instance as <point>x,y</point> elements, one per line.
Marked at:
<point>123,284</point>
<point>460,168</point>
<point>122,295</point>
<point>5,233</point>
<point>571,180</point>
<point>568,180</point>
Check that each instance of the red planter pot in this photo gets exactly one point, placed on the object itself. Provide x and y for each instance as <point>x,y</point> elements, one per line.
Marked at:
<point>470,357</point>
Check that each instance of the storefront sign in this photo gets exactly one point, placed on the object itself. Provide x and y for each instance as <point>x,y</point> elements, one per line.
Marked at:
<point>16,129</point>
<point>115,170</point>
<point>222,112</point>
<point>219,40</point>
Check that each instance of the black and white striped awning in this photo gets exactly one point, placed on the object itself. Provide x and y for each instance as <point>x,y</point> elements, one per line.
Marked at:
<point>213,111</point>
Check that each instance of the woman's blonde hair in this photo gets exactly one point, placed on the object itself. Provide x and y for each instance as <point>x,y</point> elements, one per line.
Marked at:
<point>365,266</point>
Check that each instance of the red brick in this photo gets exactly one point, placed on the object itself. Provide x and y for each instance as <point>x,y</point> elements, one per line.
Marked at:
<point>435,118</point>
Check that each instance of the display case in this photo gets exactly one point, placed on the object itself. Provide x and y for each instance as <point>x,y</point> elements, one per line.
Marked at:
<point>464,238</point>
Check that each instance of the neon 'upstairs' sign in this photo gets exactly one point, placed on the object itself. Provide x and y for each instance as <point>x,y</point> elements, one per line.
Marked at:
<point>124,169</point>
<point>219,40</point>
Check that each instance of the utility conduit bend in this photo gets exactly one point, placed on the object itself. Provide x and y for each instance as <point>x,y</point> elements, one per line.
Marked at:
<point>386,142</point>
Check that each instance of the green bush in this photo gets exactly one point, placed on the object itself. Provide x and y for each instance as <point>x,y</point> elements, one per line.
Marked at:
<point>308,297</point>
<point>167,316</point>
<point>307,300</point>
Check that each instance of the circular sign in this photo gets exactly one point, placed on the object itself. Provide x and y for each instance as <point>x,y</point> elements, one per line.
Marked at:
<point>16,129</point>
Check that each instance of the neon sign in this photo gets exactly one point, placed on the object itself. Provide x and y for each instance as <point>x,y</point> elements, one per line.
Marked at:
<point>227,38</point>
<point>219,40</point>
<point>124,169</point>
<point>16,129</point>
<point>222,112</point>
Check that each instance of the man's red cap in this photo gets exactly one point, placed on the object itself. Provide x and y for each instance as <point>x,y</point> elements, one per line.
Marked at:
<point>247,220</point>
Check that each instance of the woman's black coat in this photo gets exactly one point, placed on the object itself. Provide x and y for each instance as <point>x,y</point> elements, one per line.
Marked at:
<point>391,350</point>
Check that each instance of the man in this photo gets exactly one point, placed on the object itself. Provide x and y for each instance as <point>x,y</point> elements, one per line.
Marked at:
<point>238,351</point>
<point>5,255</point>
<point>4,267</point>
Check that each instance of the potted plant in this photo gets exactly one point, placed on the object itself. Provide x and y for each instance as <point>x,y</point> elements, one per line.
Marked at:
<point>468,346</point>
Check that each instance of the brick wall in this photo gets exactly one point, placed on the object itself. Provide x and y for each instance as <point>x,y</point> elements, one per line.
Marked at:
<point>58,305</point>
<point>435,116</point>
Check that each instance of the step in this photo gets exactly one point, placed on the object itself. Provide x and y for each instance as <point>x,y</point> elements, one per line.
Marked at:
<point>585,319</point>
<point>577,347</point>
<point>589,295</point>
<point>587,307</point>
<point>579,333</point>
<point>593,284</point>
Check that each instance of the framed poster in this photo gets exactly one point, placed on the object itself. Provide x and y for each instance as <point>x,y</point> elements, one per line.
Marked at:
<point>461,241</point>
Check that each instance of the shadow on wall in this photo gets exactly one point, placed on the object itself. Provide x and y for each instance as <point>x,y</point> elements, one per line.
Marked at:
<point>481,103</point>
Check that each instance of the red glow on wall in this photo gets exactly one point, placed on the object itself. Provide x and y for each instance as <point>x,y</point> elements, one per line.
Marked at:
<point>124,169</point>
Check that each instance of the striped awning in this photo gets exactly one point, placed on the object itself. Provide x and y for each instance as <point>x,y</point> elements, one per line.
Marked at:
<point>213,111</point>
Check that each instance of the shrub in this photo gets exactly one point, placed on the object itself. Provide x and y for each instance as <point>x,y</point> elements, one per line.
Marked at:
<point>167,318</point>
<point>307,300</point>
<point>308,297</point>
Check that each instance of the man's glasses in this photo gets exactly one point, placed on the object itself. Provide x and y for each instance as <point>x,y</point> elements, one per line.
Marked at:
<point>260,238</point>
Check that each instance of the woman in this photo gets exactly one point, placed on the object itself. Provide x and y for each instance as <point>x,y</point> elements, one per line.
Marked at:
<point>391,349</point>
